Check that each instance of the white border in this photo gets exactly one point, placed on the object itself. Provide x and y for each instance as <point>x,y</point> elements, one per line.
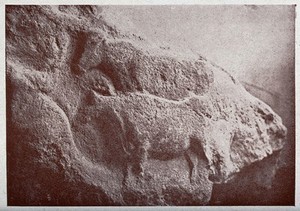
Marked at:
<point>155,2</point>
<point>297,111</point>
<point>3,203</point>
<point>2,110</point>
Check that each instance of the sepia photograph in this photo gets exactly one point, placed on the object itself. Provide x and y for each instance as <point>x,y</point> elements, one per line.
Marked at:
<point>150,105</point>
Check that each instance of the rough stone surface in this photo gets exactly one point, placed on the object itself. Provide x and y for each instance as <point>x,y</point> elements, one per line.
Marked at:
<point>98,116</point>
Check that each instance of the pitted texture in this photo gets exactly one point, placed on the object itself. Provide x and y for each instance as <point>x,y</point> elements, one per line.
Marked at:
<point>100,117</point>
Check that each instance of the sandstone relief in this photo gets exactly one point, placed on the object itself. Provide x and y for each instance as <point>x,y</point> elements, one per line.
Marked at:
<point>99,116</point>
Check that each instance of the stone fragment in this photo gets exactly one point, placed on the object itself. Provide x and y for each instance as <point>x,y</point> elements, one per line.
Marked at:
<point>97,116</point>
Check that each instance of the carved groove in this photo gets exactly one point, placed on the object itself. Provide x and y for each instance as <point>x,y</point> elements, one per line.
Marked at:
<point>80,42</point>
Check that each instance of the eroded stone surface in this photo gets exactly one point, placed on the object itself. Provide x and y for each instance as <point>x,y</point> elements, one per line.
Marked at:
<point>102,117</point>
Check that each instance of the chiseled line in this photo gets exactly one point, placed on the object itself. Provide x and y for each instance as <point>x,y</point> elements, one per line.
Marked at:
<point>148,95</point>
<point>184,100</point>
